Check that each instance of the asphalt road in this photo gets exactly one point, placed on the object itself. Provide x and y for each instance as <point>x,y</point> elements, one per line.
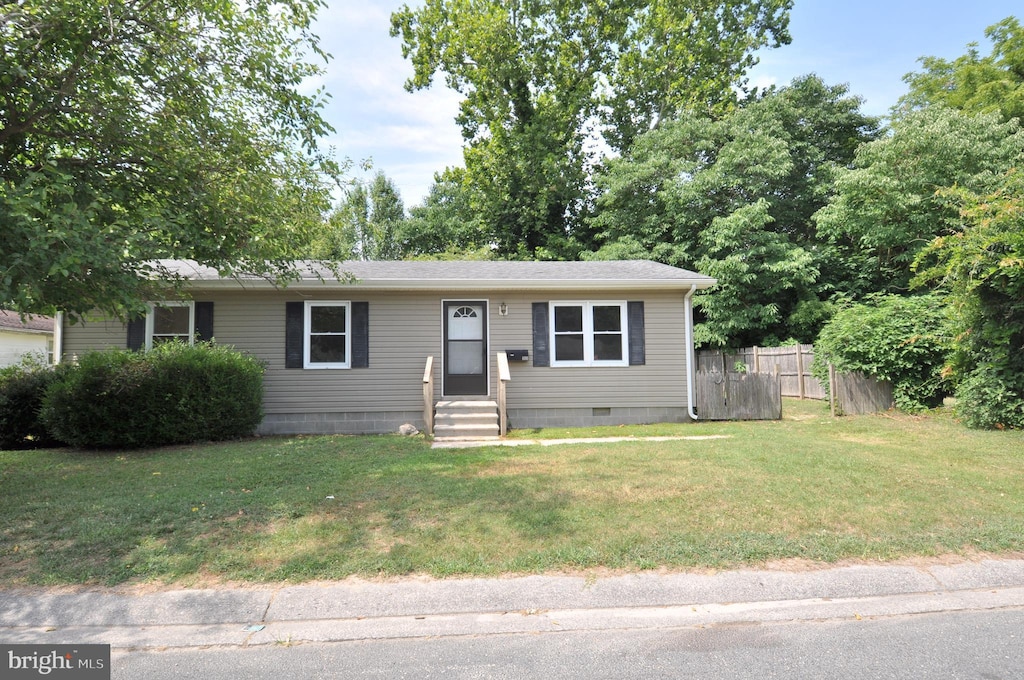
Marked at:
<point>985,644</point>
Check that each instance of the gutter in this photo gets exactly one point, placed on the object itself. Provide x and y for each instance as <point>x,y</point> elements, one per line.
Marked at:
<point>690,355</point>
<point>446,285</point>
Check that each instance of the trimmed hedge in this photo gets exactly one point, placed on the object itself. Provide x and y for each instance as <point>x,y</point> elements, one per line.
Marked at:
<point>174,394</point>
<point>22,388</point>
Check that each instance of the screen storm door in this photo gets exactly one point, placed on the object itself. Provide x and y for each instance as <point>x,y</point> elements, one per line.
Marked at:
<point>465,348</point>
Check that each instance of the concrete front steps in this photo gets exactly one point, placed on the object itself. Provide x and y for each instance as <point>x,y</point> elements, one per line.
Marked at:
<point>460,420</point>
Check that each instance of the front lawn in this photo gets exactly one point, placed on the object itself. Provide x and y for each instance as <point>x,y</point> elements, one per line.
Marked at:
<point>810,487</point>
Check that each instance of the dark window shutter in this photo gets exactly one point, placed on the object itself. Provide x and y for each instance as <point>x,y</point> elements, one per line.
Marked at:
<point>204,321</point>
<point>541,351</point>
<point>137,334</point>
<point>294,321</point>
<point>637,341</point>
<point>360,334</point>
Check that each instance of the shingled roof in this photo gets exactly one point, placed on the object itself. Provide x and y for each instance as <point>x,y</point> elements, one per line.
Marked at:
<point>466,274</point>
<point>11,321</point>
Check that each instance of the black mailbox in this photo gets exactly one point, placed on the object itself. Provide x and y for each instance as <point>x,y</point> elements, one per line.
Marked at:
<point>518,354</point>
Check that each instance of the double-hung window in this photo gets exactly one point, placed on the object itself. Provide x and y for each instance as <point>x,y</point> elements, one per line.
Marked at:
<point>328,335</point>
<point>589,334</point>
<point>169,322</point>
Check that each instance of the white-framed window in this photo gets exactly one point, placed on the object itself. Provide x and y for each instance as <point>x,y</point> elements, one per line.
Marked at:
<point>589,334</point>
<point>327,337</point>
<point>169,322</point>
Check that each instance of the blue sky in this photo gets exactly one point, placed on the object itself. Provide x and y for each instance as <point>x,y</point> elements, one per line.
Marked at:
<point>868,45</point>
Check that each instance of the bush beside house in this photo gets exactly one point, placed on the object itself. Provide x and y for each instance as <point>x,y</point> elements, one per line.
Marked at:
<point>22,388</point>
<point>174,394</point>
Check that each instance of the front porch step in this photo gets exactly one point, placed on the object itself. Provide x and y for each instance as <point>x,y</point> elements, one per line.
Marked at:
<point>466,419</point>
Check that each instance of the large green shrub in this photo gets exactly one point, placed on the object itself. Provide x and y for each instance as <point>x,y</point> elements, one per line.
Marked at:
<point>981,269</point>
<point>22,387</point>
<point>989,399</point>
<point>904,340</point>
<point>174,394</point>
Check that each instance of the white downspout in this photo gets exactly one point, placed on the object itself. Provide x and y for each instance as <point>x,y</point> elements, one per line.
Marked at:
<point>58,337</point>
<point>690,360</point>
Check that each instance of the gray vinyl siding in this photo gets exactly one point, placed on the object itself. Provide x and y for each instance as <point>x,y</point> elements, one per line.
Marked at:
<point>405,328</point>
<point>661,382</point>
<point>95,333</point>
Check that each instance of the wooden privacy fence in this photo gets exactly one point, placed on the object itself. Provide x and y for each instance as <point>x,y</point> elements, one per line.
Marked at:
<point>738,384</point>
<point>856,394</point>
<point>792,363</point>
<point>738,396</point>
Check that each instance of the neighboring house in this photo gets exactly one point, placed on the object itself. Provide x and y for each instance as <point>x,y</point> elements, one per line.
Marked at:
<point>589,342</point>
<point>34,335</point>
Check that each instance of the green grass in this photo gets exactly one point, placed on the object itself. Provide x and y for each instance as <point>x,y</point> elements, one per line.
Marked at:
<point>810,487</point>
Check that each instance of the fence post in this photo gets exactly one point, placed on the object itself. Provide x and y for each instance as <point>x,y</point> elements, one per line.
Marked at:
<point>800,368</point>
<point>757,359</point>
<point>832,388</point>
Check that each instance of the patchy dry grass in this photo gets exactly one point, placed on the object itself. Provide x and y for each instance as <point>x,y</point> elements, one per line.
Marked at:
<point>808,488</point>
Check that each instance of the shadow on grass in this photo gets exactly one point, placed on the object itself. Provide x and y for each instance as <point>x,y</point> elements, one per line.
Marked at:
<point>269,509</point>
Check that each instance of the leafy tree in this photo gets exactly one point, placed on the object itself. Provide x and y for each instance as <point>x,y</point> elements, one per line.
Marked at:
<point>537,77</point>
<point>733,197</point>
<point>980,265</point>
<point>972,83</point>
<point>366,224</point>
<point>886,208</point>
<point>341,236</point>
<point>132,131</point>
<point>387,213</point>
<point>446,223</point>
<point>756,270</point>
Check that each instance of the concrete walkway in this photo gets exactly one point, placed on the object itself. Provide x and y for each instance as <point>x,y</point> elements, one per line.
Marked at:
<point>364,610</point>
<point>456,443</point>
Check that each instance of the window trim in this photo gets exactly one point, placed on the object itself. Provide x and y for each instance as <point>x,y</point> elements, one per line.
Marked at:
<point>151,319</point>
<point>307,323</point>
<point>588,333</point>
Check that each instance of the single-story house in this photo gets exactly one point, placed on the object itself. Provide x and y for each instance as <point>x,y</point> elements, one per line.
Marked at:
<point>18,337</point>
<point>586,343</point>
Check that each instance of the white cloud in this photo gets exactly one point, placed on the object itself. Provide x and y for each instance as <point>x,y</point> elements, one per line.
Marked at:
<point>409,136</point>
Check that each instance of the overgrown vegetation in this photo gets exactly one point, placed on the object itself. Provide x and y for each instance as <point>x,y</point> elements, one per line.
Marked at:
<point>808,487</point>
<point>732,196</point>
<point>904,340</point>
<point>981,266</point>
<point>173,394</point>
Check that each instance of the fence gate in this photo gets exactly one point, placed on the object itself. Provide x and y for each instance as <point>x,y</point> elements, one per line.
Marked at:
<point>856,394</point>
<point>738,396</point>
<point>792,363</point>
